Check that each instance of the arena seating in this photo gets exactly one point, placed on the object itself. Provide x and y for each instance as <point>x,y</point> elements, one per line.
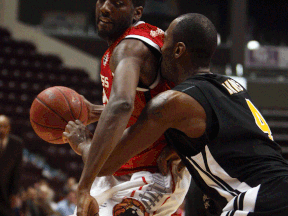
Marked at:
<point>24,73</point>
<point>277,119</point>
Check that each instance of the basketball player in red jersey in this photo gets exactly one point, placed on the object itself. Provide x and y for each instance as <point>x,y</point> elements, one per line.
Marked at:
<point>129,78</point>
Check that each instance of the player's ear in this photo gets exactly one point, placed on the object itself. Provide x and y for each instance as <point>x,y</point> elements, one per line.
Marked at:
<point>180,49</point>
<point>138,11</point>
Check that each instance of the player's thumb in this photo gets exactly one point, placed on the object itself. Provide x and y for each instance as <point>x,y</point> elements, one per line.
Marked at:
<point>93,209</point>
<point>64,137</point>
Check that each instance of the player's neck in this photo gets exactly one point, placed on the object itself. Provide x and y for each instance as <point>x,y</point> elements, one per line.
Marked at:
<point>111,40</point>
<point>185,73</point>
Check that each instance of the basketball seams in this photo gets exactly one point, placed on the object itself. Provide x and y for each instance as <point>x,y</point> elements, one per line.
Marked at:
<point>45,125</point>
<point>52,109</point>
<point>69,103</point>
<point>42,102</point>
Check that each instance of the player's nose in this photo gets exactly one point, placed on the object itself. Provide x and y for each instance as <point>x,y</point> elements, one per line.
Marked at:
<point>106,8</point>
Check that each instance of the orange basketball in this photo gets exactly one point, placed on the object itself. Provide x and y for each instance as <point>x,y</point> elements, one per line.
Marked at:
<point>52,109</point>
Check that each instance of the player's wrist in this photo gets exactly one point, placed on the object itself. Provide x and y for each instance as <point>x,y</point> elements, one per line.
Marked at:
<point>94,112</point>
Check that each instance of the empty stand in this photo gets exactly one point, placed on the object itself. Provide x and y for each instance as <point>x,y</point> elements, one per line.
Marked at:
<point>24,73</point>
<point>277,119</point>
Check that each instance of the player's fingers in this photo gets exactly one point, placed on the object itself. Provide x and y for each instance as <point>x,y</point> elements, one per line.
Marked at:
<point>78,122</point>
<point>65,134</point>
<point>71,123</point>
<point>68,128</point>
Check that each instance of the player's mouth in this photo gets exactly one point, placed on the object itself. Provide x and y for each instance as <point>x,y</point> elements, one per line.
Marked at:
<point>104,21</point>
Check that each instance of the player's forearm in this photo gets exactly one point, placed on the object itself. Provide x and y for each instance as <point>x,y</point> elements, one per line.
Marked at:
<point>84,149</point>
<point>109,130</point>
<point>114,162</point>
<point>134,140</point>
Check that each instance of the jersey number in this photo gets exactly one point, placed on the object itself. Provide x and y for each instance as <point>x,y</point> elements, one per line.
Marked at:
<point>259,120</point>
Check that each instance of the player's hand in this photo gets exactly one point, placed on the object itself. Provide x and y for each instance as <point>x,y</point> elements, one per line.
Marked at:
<point>94,111</point>
<point>86,204</point>
<point>164,160</point>
<point>77,135</point>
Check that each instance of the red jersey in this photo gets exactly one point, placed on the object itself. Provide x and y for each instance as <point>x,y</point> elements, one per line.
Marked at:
<point>151,36</point>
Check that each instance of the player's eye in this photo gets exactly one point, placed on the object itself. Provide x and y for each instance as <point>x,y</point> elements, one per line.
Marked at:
<point>119,3</point>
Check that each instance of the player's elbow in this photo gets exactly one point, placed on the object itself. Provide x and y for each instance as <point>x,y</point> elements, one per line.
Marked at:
<point>122,106</point>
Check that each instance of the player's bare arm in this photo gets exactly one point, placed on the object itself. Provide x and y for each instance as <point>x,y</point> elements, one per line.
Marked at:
<point>170,109</point>
<point>127,63</point>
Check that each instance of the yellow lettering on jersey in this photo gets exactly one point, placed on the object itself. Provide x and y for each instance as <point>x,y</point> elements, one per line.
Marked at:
<point>105,81</point>
<point>259,120</point>
<point>232,86</point>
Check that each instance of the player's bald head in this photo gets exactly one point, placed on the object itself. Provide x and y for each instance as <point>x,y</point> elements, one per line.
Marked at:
<point>138,3</point>
<point>199,35</point>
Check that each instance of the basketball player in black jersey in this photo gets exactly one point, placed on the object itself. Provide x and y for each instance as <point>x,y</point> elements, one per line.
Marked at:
<point>214,126</point>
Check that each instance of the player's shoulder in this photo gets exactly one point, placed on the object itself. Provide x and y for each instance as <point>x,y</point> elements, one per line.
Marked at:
<point>173,101</point>
<point>173,107</point>
<point>146,27</point>
<point>131,48</point>
<point>148,34</point>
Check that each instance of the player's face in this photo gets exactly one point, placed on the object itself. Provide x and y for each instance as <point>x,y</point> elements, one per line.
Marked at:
<point>168,60</point>
<point>113,17</point>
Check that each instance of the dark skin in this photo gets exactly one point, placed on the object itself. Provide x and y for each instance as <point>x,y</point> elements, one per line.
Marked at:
<point>131,62</point>
<point>170,109</point>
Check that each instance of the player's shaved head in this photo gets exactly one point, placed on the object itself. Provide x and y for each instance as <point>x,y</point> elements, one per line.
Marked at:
<point>138,3</point>
<point>199,35</point>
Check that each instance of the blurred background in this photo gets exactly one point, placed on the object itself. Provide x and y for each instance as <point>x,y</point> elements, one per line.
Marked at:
<point>47,43</point>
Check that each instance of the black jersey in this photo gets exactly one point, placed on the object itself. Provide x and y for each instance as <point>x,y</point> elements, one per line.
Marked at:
<point>237,151</point>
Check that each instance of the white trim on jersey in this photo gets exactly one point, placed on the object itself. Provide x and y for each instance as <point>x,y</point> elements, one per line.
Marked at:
<point>146,40</point>
<point>242,204</point>
<point>153,85</point>
<point>151,43</point>
<point>138,23</point>
<point>215,176</point>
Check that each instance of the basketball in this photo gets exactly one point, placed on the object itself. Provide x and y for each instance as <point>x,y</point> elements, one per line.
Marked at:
<point>52,109</point>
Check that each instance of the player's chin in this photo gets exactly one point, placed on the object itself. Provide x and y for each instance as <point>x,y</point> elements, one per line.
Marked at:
<point>104,33</point>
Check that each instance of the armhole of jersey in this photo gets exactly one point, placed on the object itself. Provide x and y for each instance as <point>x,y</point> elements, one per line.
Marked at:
<point>153,85</point>
<point>155,46</point>
<point>146,40</point>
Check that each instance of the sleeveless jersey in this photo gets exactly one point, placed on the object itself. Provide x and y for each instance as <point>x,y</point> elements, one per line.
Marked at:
<point>153,37</point>
<point>237,151</point>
